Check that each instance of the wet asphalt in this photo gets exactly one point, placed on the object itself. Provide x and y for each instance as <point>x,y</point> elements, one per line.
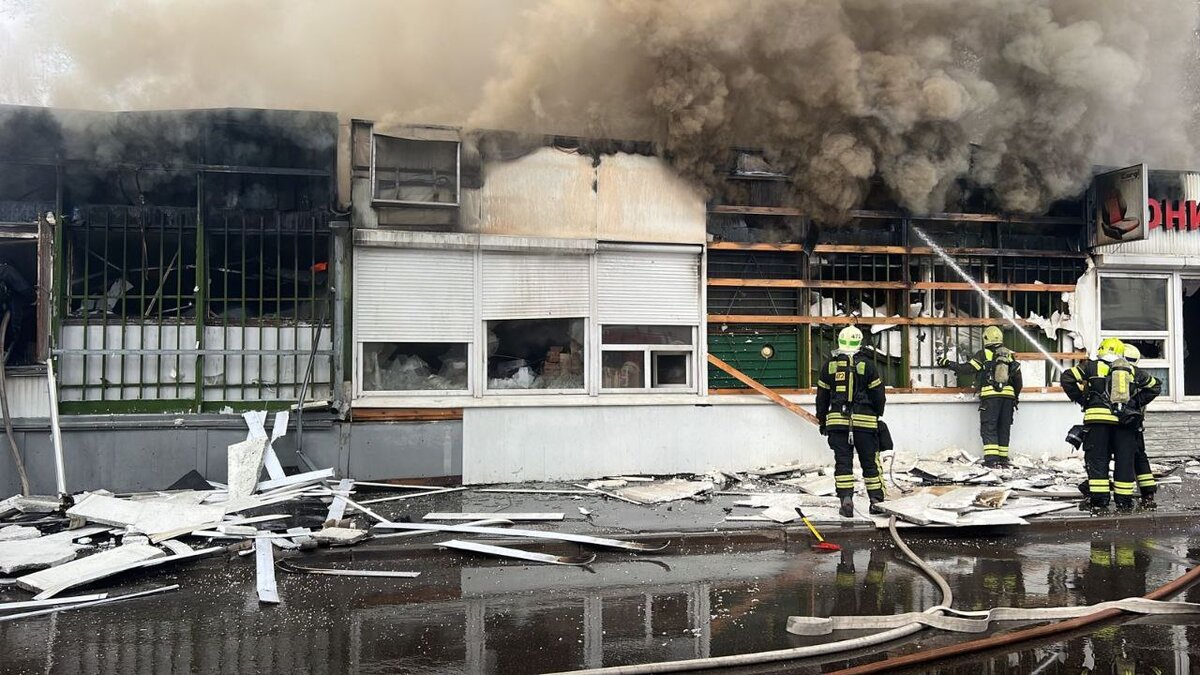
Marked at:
<point>724,592</point>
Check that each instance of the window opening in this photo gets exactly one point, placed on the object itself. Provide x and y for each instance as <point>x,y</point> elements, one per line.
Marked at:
<point>535,354</point>
<point>414,366</point>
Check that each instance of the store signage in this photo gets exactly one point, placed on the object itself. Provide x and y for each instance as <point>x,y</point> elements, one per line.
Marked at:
<point>1122,206</point>
<point>1174,214</point>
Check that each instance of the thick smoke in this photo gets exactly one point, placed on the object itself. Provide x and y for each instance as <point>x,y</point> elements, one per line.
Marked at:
<point>1023,96</point>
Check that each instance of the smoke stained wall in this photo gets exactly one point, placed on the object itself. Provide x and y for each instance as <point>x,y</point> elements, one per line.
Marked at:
<point>1023,96</point>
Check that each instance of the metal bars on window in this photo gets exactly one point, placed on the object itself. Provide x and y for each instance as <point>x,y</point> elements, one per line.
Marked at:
<point>914,305</point>
<point>160,310</point>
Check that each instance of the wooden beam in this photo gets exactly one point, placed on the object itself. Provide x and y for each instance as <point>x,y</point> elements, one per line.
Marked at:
<point>787,319</point>
<point>765,391</point>
<point>893,215</point>
<point>405,414</point>
<point>1038,356</point>
<point>963,286</point>
<point>896,250</point>
<point>888,285</point>
<point>890,390</point>
<point>814,283</point>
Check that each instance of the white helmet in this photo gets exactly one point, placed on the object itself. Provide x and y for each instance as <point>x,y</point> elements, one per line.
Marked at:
<point>849,340</point>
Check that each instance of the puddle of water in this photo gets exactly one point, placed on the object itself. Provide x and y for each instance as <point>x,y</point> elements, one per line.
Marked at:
<point>471,614</point>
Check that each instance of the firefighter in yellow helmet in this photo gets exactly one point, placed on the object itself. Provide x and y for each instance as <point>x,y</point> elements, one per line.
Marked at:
<point>998,382</point>
<point>850,401</point>
<point>1113,395</point>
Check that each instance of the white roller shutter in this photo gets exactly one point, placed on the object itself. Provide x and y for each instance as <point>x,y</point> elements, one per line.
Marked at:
<point>535,286</point>
<point>413,295</point>
<point>648,287</point>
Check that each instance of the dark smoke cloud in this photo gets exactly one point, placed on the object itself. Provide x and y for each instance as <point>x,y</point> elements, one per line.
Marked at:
<point>839,91</point>
<point>1023,96</point>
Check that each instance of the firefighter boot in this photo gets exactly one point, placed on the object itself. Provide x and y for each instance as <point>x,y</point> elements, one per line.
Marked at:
<point>1124,503</point>
<point>1148,503</point>
<point>991,461</point>
<point>876,497</point>
<point>847,509</point>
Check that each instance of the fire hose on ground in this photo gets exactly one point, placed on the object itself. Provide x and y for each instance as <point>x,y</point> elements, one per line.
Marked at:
<point>935,616</point>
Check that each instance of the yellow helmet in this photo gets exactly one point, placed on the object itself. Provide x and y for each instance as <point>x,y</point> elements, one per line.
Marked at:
<point>992,336</point>
<point>1132,354</point>
<point>849,339</point>
<point>1111,347</point>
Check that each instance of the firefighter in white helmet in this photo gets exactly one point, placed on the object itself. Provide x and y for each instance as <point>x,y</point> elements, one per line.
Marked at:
<point>850,401</point>
<point>1141,463</point>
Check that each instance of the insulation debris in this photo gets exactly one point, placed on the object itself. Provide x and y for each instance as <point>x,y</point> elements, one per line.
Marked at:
<point>18,533</point>
<point>668,491</point>
<point>91,568</point>
<point>35,554</point>
<point>340,536</point>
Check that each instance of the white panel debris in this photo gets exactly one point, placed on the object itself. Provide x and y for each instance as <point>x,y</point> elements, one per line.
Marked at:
<point>91,568</point>
<point>145,516</point>
<point>335,536</point>
<point>264,559</point>
<point>18,533</point>
<point>501,514</point>
<point>245,461</point>
<point>34,554</point>
<point>667,491</point>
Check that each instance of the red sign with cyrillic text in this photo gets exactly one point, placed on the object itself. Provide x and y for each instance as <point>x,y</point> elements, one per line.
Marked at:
<point>1174,214</point>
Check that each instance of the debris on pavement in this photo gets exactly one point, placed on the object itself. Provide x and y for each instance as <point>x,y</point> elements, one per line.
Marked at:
<point>506,552</point>
<point>503,514</point>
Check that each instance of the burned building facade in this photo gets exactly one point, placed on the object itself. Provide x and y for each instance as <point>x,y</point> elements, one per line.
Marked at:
<point>494,307</point>
<point>181,261</point>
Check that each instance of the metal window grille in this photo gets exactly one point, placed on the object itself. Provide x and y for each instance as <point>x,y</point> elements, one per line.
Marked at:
<point>161,311</point>
<point>911,303</point>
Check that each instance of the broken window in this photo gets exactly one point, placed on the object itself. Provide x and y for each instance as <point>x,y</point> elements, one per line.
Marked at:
<point>647,357</point>
<point>1191,336</point>
<point>536,354</point>
<point>425,366</point>
<point>415,171</point>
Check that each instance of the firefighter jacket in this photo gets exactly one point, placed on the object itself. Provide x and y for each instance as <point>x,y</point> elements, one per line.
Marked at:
<point>849,391</point>
<point>1088,385</point>
<point>983,367</point>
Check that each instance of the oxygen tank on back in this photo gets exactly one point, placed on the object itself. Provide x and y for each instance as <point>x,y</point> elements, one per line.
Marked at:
<point>1120,382</point>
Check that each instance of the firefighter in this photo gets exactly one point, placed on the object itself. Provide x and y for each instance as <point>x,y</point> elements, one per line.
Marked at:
<point>1141,463</point>
<point>850,401</point>
<point>998,382</point>
<point>1113,395</point>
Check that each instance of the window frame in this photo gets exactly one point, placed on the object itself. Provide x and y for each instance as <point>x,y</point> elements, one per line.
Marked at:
<point>482,363</point>
<point>648,351</point>
<point>404,202</point>
<point>1171,346</point>
<point>360,367</point>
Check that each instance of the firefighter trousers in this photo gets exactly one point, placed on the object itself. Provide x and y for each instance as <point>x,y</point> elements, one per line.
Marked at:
<point>1141,467</point>
<point>1118,443</point>
<point>866,444</point>
<point>995,423</point>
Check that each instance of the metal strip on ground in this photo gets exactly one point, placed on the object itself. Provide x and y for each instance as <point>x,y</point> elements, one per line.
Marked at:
<point>287,566</point>
<point>532,534</point>
<point>506,552</point>
<point>105,601</point>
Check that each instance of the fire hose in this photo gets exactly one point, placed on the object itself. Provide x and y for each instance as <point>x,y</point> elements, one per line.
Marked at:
<point>794,653</point>
<point>971,621</point>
